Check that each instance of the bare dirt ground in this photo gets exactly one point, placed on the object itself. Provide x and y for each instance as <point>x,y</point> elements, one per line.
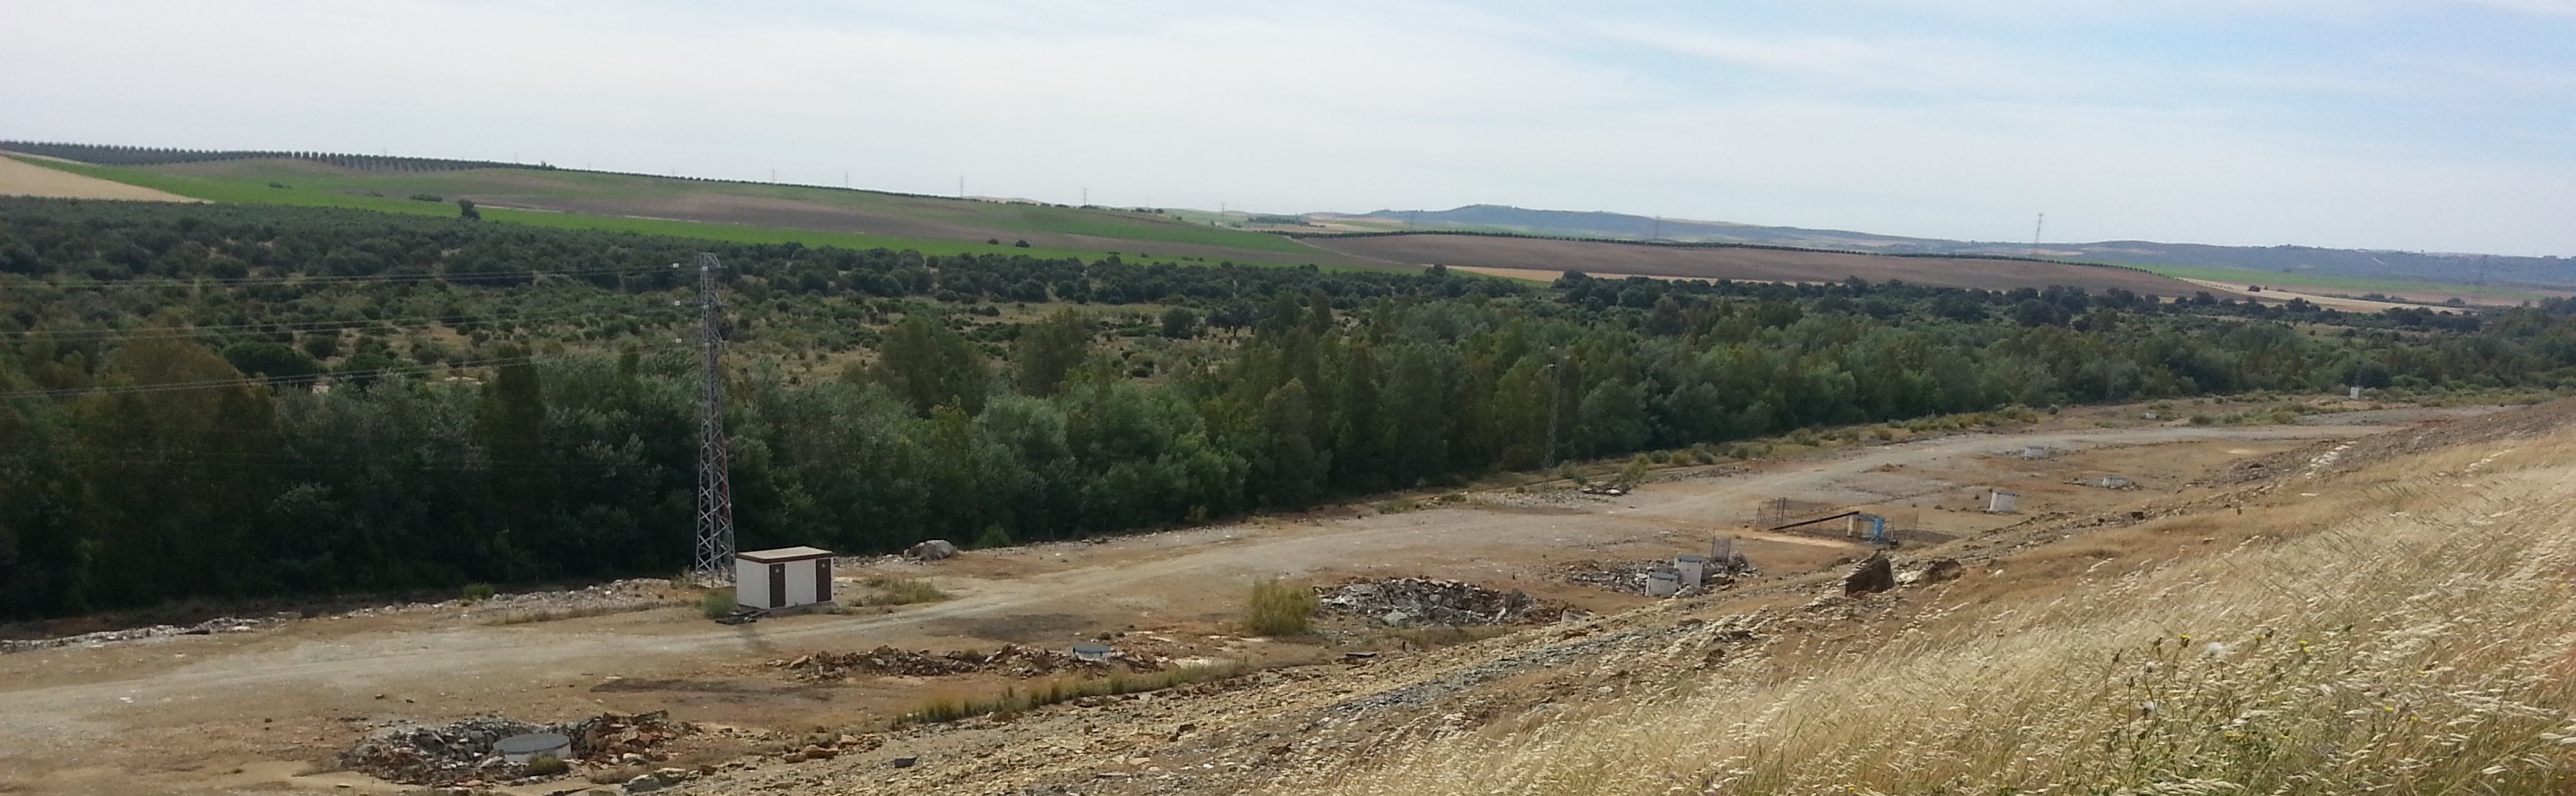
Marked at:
<point>19,178</point>
<point>1765,265</point>
<point>244,712</point>
<point>2274,295</point>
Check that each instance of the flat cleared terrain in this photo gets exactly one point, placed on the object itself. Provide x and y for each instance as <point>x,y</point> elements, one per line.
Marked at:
<point>242,712</point>
<point>1762,265</point>
<point>20,178</point>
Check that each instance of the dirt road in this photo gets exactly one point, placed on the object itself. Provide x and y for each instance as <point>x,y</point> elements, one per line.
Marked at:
<point>40,710</point>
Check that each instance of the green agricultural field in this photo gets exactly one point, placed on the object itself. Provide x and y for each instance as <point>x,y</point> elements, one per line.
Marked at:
<point>2334,285</point>
<point>244,180</point>
<point>303,184</point>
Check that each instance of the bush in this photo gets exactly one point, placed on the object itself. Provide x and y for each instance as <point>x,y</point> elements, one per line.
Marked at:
<point>993,536</point>
<point>715,603</point>
<point>1279,607</point>
<point>545,766</point>
<point>903,591</point>
<point>427,197</point>
<point>478,592</point>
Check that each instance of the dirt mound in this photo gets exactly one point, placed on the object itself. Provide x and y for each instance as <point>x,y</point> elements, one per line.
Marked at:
<point>1012,659</point>
<point>462,750</point>
<point>1419,602</point>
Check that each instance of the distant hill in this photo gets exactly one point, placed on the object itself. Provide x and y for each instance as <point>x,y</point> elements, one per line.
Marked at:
<point>725,209</point>
<point>2309,260</point>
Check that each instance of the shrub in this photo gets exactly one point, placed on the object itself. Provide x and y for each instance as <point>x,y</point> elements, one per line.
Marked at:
<point>715,603</point>
<point>545,766</point>
<point>903,591</point>
<point>993,536</point>
<point>427,197</point>
<point>1279,607</point>
<point>1020,244</point>
<point>478,592</point>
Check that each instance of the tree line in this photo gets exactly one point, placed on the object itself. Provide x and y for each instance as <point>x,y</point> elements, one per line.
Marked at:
<point>876,403</point>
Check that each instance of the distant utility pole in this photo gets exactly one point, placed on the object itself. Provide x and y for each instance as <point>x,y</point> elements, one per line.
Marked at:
<point>2034,233</point>
<point>773,175</point>
<point>845,178</point>
<point>714,561</point>
<point>961,186</point>
<point>1086,197</point>
<point>1659,228</point>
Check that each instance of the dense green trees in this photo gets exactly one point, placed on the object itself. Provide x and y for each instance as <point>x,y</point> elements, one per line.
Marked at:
<point>496,403</point>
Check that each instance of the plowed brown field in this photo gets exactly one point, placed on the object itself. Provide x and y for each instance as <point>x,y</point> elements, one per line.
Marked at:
<point>20,178</point>
<point>1765,265</point>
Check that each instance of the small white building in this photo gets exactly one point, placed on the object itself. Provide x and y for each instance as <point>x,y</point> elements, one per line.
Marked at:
<point>782,578</point>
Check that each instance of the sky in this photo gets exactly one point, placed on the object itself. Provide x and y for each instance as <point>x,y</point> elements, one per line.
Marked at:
<point>2442,125</point>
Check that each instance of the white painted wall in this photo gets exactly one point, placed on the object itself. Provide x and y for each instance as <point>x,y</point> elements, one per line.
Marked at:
<point>751,583</point>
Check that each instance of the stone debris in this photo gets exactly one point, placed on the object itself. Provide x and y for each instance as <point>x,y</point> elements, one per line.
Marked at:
<point>1011,659</point>
<point>462,750</point>
<point>1629,577</point>
<point>1933,570</point>
<point>1873,574</point>
<point>209,627</point>
<point>1418,602</point>
<point>932,550</point>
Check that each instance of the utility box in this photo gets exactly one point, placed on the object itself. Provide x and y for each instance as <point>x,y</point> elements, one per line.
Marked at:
<point>785,577</point>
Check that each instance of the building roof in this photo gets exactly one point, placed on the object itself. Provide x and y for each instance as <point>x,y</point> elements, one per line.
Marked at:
<point>776,555</point>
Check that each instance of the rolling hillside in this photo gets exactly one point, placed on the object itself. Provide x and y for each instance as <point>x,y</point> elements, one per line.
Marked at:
<point>722,210</point>
<point>1543,258</point>
<point>2277,262</point>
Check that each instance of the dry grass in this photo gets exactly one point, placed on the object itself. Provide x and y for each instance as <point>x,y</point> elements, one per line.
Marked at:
<point>901,591</point>
<point>1279,607</point>
<point>1015,699</point>
<point>2410,629</point>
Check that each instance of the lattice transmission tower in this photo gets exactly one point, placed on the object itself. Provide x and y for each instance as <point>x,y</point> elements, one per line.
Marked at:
<point>714,562</point>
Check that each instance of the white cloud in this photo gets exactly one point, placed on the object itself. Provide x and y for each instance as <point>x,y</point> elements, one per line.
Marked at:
<point>1951,130</point>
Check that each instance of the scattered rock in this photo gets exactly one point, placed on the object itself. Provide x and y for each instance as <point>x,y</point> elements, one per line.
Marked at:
<point>902,762</point>
<point>932,550</point>
<point>1931,571</point>
<point>462,751</point>
<point>1416,602</point>
<point>1011,659</point>
<point>1873,574</point>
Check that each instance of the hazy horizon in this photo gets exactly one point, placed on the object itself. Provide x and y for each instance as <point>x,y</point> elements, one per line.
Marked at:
<point>2410,126</point>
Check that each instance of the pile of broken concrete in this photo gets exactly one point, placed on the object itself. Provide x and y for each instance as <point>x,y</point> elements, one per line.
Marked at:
<point>1011,659</point>
<point>1426,602</point>
<point>463,750</point>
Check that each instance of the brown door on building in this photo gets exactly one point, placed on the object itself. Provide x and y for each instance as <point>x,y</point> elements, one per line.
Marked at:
<point>778,585</point>
<point>822,580</point>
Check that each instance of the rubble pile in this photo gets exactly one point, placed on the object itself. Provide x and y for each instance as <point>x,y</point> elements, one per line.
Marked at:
<point>1011,659</point>
<point>1629,577</point>
<point>1419,602</point>
<point>458,751</point>
<point>209,627</point>
<point>1932,570</point>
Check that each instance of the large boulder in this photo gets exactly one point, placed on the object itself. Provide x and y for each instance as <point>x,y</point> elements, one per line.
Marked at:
<point>932,550</point>
<point>1874,574</point>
